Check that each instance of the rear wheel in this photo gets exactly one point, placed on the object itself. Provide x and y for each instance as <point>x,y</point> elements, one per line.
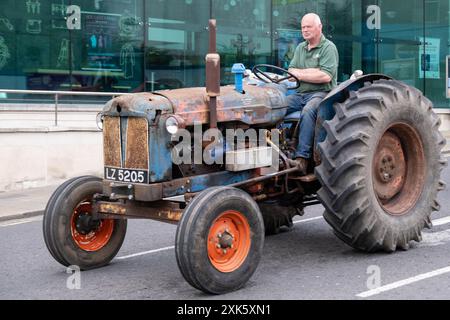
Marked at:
<point>219,240</point>
<point>381,165</point>
<point>71,234</point>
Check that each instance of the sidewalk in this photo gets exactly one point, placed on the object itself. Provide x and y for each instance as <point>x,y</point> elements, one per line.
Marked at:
<point>32,202</point>
<point>24,204</point>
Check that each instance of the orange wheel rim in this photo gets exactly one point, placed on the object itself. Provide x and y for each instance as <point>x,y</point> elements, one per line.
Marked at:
<point>94,239</point>
<point>229,241</point>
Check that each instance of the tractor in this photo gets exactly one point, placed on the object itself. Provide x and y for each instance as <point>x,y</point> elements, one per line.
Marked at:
<point>376,171</point>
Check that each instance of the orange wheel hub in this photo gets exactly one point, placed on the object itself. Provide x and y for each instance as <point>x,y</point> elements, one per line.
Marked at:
<point>229,241</point>
<point>90,235</point>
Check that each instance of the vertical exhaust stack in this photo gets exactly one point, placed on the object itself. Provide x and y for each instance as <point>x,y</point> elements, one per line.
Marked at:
<point>212,75</point>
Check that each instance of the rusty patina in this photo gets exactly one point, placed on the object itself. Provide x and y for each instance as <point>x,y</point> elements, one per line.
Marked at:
<point>111,141</point>
<point>259,105</point>
<point>158,211</point>
<point>137,153</point>
<point>399,169</point>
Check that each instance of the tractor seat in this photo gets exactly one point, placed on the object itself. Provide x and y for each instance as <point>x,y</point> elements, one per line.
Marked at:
<point>295,116</point>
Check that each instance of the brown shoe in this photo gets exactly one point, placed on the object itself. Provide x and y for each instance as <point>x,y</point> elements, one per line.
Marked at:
<point>301,164</point>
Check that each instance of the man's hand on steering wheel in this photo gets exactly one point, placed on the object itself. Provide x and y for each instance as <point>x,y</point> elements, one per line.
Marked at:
<point>260,74</point>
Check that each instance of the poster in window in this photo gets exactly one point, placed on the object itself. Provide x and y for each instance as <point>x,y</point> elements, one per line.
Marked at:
<point>100,32</point>
<point>429,58</point>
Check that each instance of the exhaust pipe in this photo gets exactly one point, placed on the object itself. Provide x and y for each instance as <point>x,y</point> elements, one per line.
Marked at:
<point>212,75</point>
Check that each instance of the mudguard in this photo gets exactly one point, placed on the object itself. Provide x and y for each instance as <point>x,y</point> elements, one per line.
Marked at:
<point>337,95</point>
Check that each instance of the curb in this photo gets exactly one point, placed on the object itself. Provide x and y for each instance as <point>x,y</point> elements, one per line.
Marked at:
<point>22,215</point>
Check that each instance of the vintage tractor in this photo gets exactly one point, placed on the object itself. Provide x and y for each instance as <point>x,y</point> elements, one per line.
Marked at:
<point>376,170</point>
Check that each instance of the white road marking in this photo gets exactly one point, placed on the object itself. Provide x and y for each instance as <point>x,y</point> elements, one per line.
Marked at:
<point>145,252</point>
<point>404,282</point>
<point>440,222</point>
<point>307,220</point>
<point>431,239</point>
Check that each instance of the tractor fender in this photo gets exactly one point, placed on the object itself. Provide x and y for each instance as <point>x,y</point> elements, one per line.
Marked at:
<point>338,95</point>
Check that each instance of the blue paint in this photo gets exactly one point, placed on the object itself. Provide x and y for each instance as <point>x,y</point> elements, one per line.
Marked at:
<point>238,70</point>
<point>202,182</point>
<point>160,158</point>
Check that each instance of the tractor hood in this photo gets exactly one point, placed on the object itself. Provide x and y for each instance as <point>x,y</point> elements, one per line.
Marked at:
<point>258,105</point>
<point>144,105</point>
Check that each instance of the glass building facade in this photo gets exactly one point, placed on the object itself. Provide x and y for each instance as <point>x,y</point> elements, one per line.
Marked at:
<point>146,45</point>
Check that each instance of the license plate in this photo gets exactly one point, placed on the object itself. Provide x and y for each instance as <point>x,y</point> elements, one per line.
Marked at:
<point>126,175</point>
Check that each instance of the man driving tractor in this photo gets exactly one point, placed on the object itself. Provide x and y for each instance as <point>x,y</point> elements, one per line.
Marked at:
<point>315,64</point>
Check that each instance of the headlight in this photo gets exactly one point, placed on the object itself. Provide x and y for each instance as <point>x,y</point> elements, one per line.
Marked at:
<point>172,125</point>
<point>99,120</point>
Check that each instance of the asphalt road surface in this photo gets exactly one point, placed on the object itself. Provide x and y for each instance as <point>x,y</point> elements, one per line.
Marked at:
<point>309,262</point>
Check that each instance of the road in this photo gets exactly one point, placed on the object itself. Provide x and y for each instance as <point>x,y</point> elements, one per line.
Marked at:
<point>308,262</point>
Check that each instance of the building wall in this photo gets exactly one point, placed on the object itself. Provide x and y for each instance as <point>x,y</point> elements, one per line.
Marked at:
<point>38,158</point>
<point>136,45</point>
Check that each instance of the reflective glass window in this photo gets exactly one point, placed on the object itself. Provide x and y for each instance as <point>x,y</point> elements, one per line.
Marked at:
<point>244,33</point>
<point>108,48</point>
<point>137,45</point>
<point>433,63</point>
<point>176,43</point>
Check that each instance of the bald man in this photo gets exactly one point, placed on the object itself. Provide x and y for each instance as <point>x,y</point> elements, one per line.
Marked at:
<point>315,64</point>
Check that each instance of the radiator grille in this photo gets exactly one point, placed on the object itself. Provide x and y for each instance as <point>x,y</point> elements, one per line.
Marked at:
<point>136,153</point>
<point>111,142</point>
<point>125,142</point>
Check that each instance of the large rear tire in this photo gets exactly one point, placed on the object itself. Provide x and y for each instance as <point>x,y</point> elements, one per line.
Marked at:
<point>71,235</point>
<point>381,165</point>
<point>219,240</point>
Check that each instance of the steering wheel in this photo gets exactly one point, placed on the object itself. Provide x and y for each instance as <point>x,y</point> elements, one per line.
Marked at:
<point>268,79</point>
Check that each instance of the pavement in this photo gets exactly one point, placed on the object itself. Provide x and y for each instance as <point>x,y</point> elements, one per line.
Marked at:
<point>31,202</point>
<point>24,203</point>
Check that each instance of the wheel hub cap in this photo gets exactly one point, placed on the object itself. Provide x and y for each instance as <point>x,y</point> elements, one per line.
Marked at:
<point>225,240</point>
<point>229,241</point>
<point>85,224</point>
<point>390,167</point>
<point>88,234</point>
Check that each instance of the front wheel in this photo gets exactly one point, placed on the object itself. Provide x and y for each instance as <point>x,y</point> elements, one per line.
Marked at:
<point>71,235</point>
<point>219,240</point>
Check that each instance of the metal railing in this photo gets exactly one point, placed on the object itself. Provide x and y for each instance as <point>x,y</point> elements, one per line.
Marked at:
<point>58,94</point>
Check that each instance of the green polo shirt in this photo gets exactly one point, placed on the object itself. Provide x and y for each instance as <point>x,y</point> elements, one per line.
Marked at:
<point>324,57</point>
